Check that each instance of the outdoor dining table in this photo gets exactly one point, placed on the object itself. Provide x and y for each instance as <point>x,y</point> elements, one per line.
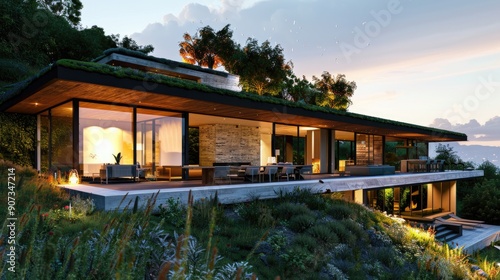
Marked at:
<point>207,173</point>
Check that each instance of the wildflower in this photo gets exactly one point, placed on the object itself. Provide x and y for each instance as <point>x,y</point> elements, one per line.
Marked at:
<point>51,233</point>
<point>66,207</point>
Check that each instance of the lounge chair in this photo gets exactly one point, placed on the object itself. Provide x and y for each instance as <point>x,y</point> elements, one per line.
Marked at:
<point>465,220</point>
<point>455,222</point>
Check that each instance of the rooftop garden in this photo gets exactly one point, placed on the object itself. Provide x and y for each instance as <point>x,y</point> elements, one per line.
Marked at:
<point>11,90</point>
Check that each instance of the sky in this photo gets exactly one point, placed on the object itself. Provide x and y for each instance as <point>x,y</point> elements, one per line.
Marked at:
<point>431,63</point>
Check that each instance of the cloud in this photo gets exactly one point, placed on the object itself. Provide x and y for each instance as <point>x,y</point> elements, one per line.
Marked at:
<point>489,131</point>
<point>394,34</point>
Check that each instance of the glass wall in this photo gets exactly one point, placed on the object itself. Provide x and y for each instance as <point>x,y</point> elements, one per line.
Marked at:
<point>345,151</point>
<point>369,149</point>
<point>105,131</point>
<point>44,142</point>
<point>159,139</point>
<point>61,137</point>
<point>289,144</point>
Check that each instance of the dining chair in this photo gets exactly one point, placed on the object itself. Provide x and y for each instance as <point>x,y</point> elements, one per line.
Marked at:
<point>251,171</point>
<point>286,172</point>
<point>269,171</point>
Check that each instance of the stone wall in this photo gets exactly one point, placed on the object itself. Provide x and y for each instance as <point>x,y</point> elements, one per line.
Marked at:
<point>229,143</point>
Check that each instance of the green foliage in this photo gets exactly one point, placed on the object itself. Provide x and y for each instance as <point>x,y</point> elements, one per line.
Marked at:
<point>118,157</point>
<point>262,68</point>
<point>323,234</point>
<point>287,210</point>
<point>278,241</point>
<point>17,138</point>
<point>344,235</point>
<point>340,211</point>
<point>335,92</point>
<point>491,171</point>
<point>173,212</point>
<point>306,241</point>
<point>206,209</point>
<point>300,223</point>
<point>481,203</point>
<point>207,48</point>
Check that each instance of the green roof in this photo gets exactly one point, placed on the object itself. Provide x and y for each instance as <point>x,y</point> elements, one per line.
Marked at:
<point>11,91</point>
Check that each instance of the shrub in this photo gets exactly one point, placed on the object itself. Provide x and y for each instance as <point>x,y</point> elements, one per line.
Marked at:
<point>344,235</point>
<point>306,241</point>
<point>287,210</point>
<point>257,212</point>
<point>323,234</point>
<point>301,223</point>
<point>482,202</point>
<point>205,210</point>
<point>173,212</point>
<point>356,229</point>
<point>340,211</point>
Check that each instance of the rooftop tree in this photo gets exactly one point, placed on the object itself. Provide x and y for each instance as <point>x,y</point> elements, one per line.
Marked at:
<point>262,68</point>
<point>207,47</point>
<point>336,91</point>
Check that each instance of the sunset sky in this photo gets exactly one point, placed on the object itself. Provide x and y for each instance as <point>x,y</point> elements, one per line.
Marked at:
<point>432,63</point>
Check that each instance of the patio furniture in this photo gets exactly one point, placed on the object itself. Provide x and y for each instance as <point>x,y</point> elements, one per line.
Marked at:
<point>221,173</point>
<point>269,171</point>
<point>207,173</point>
<point>118,171</point>
<point>302,170</point>
<point>287,172</point>
<point>251,172</point>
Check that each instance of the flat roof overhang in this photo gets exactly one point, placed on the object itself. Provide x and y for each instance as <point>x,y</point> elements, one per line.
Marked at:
<point>61,84</point>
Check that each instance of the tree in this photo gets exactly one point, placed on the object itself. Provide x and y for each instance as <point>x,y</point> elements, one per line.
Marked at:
<point>131,44</point>
<point>299,90</point>
<point>482,202</point>
<point>67,9</point>
<point>491,171</point>
<point>207,48</point>
<point>450,157</point>
<point>336,91</point>
<point>262,68</point>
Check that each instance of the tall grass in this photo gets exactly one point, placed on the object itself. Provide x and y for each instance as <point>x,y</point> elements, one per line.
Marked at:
<point>300,235</point>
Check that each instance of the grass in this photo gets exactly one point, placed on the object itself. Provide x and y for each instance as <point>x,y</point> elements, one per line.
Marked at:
<point>296,236</point>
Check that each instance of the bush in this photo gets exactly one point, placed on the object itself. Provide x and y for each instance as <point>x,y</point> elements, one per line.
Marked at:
<point>301,223</point>
<point>323,234</point>
<point>287,210</point>
<point>257,212</point>
<point>344,235</point>
<point>340,211</point>
<point>482,202</point>
<point>173,212</point>
<point>306,241</point>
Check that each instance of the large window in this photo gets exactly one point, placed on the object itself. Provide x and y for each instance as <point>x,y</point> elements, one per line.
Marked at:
<point>159,139</point>
<point>289,144</point>
<point>369,149</point>
<point>105,131</point>
<point>61,137</point>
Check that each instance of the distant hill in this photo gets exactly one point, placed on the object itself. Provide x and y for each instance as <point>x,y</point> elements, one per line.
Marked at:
<point>474,153</point>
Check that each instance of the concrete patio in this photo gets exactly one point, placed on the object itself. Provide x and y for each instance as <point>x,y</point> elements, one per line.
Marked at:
<point>111,196</point>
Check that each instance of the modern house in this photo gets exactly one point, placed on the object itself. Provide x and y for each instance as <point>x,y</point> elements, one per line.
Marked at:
<point>150,110</point>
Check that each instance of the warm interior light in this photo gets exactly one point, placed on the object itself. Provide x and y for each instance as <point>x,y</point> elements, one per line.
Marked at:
<point>73,177</point>
<point>342,165</point>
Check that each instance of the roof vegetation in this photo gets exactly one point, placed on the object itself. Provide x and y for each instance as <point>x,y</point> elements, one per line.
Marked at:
<point>9,91</point>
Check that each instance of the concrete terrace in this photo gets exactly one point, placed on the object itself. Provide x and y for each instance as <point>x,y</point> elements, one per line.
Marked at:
<point>119,195</point>
<point>108,196</point>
